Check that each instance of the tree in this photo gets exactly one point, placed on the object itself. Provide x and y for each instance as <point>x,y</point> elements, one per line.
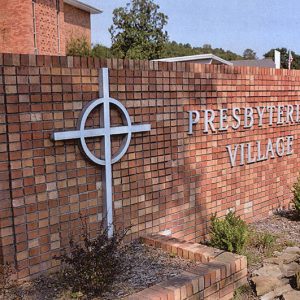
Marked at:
<point>138,30</point>
<point>78,47</point>
<point>249,54</point>
<point>81,47</point>
<point>173,49</point>
<point>284,58</point>
<point>101,51</point>
<point>207,47</point>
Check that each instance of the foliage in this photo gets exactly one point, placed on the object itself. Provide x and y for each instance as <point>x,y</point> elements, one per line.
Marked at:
<point>101,51</point>
<point>296,193</point>
<point>81,47</point>
<point>229,234</point>
<point>249,54</point>
<point>173,49</point>
<point>262,244</point>
<point>284,53</point>
<point>243,292</point>
<point>261,240</point>
<point>138,30</point>
<point>78,47</point>
<point>93,264</point>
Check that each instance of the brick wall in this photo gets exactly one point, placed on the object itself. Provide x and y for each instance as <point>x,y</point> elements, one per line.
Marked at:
<point>168,180</point>
<point>49,35</point>
<point>77,23</point>
<point>16,28</point>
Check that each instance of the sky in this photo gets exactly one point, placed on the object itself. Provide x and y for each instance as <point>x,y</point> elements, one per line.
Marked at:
<point>229,24</point>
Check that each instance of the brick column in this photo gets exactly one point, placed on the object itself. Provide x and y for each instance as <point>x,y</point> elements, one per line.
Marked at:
<point>7,242</point>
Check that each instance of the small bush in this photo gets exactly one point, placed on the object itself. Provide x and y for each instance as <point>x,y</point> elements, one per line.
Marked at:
<point>79,47</point>
<point>93,264</point>
<point>263,241</point>
<point>243,292</point>
<point>229,234</point>
<point>296,193</point>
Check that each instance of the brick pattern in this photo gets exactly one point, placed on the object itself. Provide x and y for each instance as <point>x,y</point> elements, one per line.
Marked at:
<point>77,23</point>
<point>16,26</point>
<point>49,32</point>
<point>18,37</point>
<point>168,180</point>
<point>217,278</point>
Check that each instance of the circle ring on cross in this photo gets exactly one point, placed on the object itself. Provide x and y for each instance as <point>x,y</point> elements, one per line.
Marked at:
<point>106,130</point>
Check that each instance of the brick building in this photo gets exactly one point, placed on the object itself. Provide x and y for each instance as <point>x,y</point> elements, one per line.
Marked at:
<point>43,26</point>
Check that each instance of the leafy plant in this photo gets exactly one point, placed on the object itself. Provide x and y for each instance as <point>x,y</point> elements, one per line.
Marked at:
<point>243,292</point>
<point>229,234</point>
<point>296,193</point>
<point>262,240</point>
<point>138,30</point>
<point>92,265</point>
<point>79,47</point>
<point>101,51</point>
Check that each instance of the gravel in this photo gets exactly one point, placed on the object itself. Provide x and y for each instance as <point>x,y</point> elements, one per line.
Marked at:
<point>284,224</point>
<point>148,267</point>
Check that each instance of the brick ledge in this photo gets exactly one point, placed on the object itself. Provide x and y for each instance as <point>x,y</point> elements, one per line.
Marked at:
<point>219,274</point>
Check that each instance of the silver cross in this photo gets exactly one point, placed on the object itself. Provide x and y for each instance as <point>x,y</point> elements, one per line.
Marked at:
<point>106,131</point>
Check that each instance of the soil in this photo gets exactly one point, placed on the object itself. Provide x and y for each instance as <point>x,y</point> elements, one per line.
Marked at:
<point>284,224</point>
<point>147,266</point>
<point>285,227</point>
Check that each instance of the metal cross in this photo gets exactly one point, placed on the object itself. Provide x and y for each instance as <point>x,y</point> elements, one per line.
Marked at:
<point>105,103</point>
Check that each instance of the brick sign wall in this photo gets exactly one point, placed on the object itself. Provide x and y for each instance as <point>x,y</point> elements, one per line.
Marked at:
<point>169,180</point>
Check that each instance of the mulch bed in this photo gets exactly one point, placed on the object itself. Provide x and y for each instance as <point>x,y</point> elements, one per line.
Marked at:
<point>284,224</point>
<point>147,266</point>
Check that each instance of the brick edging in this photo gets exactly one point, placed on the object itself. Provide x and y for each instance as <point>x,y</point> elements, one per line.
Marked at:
<point>216,278</point>
<point>31,60</point>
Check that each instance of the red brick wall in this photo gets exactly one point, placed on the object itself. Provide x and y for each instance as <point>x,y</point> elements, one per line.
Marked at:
<point>7,250</point>
<point>77,23</point>
<point>47,32</point>
<point>167,179</point>
<point>16,26</point>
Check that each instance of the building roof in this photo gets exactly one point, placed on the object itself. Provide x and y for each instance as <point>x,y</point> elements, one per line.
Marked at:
<point>191,58</point>
<point>262,63</point>
<point>83,6</point>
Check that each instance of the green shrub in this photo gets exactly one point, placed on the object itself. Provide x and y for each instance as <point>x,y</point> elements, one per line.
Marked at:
<point>261,240</point>
<point>79,47</point>
<point>243,292</point>
<point>296,193</point>
<point>229,234</point>
<point>92,265</point>
<point>101,51</point>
